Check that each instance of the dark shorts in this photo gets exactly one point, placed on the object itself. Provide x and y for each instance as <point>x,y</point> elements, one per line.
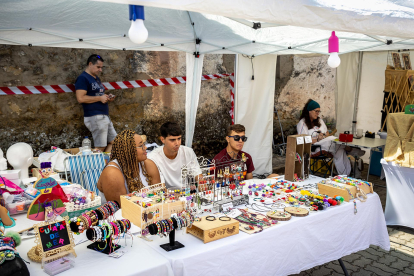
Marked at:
<point>102,129</point>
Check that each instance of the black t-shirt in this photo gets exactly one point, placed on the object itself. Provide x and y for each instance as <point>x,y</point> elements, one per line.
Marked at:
<point>93,87</point>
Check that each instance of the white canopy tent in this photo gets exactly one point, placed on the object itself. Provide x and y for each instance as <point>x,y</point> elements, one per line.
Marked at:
<point>250,28</point>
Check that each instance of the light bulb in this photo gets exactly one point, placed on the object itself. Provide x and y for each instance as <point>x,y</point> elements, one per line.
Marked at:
<point>334,60</point>
<point>138,33</point>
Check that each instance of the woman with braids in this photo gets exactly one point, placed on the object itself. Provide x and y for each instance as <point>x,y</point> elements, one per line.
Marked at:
<point>128,170</point>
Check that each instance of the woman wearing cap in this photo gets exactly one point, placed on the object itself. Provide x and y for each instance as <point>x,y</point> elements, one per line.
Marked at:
<point>128,170</point>
<point>310,123</point>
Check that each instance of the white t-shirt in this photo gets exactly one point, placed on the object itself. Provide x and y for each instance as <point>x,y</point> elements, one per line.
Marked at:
<point>171,169</point>
<point>303,129</point>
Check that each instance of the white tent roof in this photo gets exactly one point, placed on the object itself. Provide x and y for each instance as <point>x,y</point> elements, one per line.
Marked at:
<point>287,27</point>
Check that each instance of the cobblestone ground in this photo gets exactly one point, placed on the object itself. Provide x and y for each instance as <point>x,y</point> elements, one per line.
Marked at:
<point>376,261</point>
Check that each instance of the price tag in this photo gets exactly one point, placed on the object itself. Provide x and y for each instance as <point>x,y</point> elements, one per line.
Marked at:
<point>147,200</point>
<point>308,139</point>
<point>299,140</point>
<point>227,206</point>
<point>118,254</point>
<point>234,213</point>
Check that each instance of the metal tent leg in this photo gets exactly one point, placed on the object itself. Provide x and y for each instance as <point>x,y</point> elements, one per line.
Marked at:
<point>343,267</point>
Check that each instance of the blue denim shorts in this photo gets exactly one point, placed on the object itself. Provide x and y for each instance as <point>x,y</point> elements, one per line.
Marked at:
<point>102,130</point>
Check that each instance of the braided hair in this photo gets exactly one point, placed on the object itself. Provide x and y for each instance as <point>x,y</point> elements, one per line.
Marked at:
<point>125,152</point>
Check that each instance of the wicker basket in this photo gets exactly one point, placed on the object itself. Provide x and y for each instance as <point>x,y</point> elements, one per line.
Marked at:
<point>75,210</point>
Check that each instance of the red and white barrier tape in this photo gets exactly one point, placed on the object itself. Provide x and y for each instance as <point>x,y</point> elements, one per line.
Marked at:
<point>65,88</point>
<point>232,98</point>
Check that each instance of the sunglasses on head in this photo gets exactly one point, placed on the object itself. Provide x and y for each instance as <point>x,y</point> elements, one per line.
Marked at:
<point>238,137</point>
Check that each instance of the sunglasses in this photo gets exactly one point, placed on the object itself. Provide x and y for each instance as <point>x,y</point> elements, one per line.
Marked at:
<point>238,137</point>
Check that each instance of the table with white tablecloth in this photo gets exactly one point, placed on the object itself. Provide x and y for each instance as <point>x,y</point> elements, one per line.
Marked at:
<point>139,259</point>
<point>286,248</point>
<point>400,194</point>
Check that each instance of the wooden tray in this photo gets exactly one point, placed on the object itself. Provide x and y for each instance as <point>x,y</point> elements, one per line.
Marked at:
<point>332,191</point>
<point>209,231</point>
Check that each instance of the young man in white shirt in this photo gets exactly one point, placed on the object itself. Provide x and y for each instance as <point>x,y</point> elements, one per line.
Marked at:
<point>172,156</point>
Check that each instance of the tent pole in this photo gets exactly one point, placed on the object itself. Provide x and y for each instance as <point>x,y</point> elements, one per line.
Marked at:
<point>357,87</point>
<point>236,61</point>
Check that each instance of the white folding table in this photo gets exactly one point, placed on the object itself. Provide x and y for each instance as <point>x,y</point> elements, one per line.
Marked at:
<point>364,143</point>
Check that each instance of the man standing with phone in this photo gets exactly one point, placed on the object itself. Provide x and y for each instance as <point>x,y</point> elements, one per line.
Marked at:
<point>90,92</point>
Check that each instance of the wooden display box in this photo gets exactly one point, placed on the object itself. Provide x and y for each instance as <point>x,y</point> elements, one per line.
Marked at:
<point>292,165</point>
<point>133,211</point>
<point>332,191</point>
<point>209,231</point>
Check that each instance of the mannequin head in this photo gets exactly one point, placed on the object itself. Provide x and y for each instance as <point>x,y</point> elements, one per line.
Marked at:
<point>20,156</point>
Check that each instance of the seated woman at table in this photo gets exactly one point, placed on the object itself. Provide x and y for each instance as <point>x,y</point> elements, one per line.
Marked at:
<point>128,170</point>
<point>310,123</point>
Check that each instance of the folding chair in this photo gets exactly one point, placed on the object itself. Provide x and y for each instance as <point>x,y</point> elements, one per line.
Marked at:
<point>323,157</point>
<point>85,169</point>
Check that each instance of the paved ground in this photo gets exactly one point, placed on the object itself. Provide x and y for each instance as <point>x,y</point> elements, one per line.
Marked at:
<point>373,261</point>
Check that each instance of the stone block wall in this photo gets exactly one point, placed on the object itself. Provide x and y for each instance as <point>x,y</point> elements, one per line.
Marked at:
<point>299,78</point>
<point>57,119</point>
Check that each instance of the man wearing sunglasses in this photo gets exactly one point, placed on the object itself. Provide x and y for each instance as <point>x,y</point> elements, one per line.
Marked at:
<point>90,92</point>
<point>235,142</point>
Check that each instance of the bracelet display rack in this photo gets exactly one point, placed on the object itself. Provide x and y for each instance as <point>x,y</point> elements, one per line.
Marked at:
<point>173,244</point>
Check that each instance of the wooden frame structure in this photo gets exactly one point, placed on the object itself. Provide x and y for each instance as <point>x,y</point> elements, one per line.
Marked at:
<point>400,86</point>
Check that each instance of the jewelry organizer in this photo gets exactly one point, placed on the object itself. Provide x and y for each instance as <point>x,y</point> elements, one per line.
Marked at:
<point>149,205</point>
<point>230,176</point>
<point>298,151</point>
<point>209,231</point>
<point>220,187</point>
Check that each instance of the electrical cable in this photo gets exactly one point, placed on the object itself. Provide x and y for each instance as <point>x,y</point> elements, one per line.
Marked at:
<point>251,60</point>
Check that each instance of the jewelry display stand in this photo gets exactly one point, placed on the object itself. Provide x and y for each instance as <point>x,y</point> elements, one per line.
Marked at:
<point>97,246</point>
<point>230,174</point>
<point>297,147</point>
<point>173,244</point>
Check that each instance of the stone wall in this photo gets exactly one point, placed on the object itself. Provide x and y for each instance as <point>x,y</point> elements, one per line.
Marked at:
<point>57,119</point>
<point>299,78</point>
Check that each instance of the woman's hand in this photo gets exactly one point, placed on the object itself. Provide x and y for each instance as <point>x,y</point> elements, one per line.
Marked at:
<point>321,136</point>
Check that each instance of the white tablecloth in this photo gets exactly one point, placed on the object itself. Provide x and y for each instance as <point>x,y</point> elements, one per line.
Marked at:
<point>139,260</point>
<point>400,194</point>
<point>287,248</point>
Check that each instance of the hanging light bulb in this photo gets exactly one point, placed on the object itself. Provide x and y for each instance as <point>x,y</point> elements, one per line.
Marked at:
<point>137,33</point>
<point>333,47</point>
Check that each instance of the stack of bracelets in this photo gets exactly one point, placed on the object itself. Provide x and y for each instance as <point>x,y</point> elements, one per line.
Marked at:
<point>108,230</point>
<point>91,218</point>
<point>165,226</point>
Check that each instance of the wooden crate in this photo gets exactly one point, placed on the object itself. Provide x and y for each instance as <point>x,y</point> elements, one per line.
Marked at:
<point>133,211</point>
<point>331,191</point>
<point>334,191</point>
<point>209,231</point>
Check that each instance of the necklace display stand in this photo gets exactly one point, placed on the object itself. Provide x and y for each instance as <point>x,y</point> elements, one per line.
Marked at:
<point>173,244</point>
<point>97,246</point>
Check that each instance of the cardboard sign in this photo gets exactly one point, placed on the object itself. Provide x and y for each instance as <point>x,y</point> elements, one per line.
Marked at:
<point>54,235</point>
